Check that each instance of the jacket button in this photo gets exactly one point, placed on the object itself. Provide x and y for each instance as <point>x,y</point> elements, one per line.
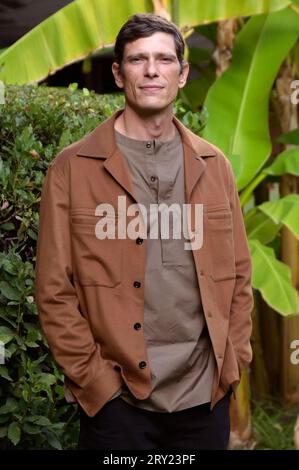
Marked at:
<point>139,241</point>
<point>142,364</point>
<point>148,145</point>
<point>153,178</point>
<point>137,284</point>
<point>137,326</point>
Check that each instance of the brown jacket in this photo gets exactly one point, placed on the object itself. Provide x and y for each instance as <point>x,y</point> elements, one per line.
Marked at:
<point>90,305</point>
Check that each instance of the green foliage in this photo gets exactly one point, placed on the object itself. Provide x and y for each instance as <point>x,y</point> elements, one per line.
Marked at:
<point>195,121</point>
<point>237,106</point>
<point>35,123</point>
<point>238,101</point>
<point>273,426</point>
<point>32,411</point>
<point>90,25</point>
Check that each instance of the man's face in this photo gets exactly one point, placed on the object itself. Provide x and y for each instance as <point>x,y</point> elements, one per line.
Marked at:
<point>150,73</point>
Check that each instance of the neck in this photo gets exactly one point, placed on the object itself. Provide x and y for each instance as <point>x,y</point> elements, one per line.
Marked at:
<point>146,127</point>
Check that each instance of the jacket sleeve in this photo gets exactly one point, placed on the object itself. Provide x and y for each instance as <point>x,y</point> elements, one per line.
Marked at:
<point>67,331</point>
<point>240,324</point>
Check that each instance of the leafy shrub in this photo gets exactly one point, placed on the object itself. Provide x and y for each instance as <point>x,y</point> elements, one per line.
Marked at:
<point>273,425</point>
<point>36,122</point>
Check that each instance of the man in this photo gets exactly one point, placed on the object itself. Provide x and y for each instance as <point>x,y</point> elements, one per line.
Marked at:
<point>152,336</point>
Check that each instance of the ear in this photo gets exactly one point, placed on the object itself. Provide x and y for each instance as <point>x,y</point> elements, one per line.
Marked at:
<point>117,75</point>
<point>184,74</point>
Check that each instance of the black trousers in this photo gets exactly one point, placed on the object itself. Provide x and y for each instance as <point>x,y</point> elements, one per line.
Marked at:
<point>121,426</point>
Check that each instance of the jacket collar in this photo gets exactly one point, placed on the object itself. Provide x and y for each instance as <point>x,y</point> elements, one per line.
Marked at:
<point>100,143</point>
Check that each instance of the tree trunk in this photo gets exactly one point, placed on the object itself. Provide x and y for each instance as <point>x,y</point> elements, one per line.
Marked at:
<point>240,415</point>
<point>259,380</point>
<point>226,33</point>
<point>289,244</point>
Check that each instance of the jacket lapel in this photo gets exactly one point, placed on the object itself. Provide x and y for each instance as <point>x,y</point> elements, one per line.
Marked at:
<point>117,166</point>
<point>194,167</point>
<point>195,150</point>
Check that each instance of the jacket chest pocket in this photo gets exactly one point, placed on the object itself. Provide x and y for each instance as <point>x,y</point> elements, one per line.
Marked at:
<point>96,262</point>
<point>221,242</point>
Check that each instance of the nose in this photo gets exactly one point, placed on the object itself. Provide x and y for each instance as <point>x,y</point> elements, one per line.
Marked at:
<point>151,69</point>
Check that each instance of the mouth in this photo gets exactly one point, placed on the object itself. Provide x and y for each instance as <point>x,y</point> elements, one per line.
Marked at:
<point>151,88</point>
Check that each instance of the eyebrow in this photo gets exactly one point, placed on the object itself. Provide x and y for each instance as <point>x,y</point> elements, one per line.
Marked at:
<point>143,54</point>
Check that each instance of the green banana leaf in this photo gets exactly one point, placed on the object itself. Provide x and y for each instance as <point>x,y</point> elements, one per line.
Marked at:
<point>291,137</point>
<point>285,211</point>
<point>286,162</point>
<point>195,92</point>
<point>194,12</point>
<point>273,279</point>
<point>85,26</point>
<point>261,227</point>
<point>69,35</point>
<point>237,103</point>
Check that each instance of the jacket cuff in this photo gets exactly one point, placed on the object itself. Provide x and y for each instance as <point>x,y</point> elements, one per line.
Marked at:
<point>95,395</point>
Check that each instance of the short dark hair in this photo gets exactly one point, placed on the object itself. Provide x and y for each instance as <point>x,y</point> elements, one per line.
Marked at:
<point>143,25</point>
